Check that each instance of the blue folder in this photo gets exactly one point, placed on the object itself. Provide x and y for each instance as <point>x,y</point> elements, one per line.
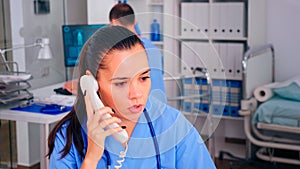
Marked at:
<point>51,109</point>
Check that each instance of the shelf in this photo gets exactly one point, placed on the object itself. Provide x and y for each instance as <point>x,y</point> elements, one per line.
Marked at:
<point>8,79</point>
<point>16,97</point>
<point>6,89</point>
<point>156,4</point>
<point>158,42</point>
<point>249,36</point>
<point>214,39</point>
<point>187,97</point>
<point>230,38</point>
<point>216,77</point>
<point>181,77</point>
<point>193,38</point>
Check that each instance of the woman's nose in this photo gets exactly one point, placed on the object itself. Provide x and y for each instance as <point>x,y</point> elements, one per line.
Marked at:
<point>135,90</point>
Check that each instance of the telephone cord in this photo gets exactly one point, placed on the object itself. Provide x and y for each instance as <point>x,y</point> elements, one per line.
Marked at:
<point>122,157</point>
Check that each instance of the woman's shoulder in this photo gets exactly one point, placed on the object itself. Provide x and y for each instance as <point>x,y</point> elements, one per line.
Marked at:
<point>62,131</point>
<point>65,125</point>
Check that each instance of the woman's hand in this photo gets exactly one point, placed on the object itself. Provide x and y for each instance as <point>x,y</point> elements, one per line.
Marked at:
<point>96,132</point>
<point>71,86</point>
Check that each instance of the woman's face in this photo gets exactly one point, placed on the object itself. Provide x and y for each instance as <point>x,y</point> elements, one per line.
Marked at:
<point>124,83</point>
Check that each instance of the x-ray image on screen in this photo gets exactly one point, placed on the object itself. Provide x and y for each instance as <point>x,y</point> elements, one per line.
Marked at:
<point>74,37</point>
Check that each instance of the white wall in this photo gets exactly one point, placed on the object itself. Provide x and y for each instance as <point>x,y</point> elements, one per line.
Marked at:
<point>283,30</point>
<point>16,16</point>
<point>97,11</point>
<point>75,12</point>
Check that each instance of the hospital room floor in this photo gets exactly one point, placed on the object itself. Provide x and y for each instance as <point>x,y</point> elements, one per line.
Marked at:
<point>231,164</point>
<point>5,157</point>
<point>236,164</point>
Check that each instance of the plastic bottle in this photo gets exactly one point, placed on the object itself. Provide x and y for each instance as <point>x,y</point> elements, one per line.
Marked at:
<point>124,1</point>
<point>155,31</point>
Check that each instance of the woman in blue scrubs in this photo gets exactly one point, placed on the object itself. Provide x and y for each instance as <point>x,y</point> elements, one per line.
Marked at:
<point>159,135</point>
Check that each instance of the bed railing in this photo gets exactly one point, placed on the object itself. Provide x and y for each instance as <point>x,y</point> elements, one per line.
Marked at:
<point>263,71</point>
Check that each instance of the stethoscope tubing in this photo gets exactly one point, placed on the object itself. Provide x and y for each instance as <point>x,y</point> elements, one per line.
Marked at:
<point>158,162</point>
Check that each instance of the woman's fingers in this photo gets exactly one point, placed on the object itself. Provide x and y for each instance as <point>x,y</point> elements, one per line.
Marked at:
<point>96,120</point>
<point>88,106</point>
<point>100,133</point>
<point>106,122</point>
<point>108,130</point>
<point>101,112</point>
<point>97,125</point>
<point>96,117</point>
<point>90,109</point>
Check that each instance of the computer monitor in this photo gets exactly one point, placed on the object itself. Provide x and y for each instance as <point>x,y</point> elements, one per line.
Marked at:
<point>74,37</point>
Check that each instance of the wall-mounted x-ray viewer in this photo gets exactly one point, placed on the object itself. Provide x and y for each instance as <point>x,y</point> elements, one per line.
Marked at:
<point>41,7</point>
<point>74,37</point>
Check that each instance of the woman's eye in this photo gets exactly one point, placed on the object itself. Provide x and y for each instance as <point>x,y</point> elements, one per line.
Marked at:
<point>120,84</point>
<point>145,78</point>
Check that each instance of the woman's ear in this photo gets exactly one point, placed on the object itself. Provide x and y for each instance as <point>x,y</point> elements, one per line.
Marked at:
<point>99,89</point>
<point>99,95</point>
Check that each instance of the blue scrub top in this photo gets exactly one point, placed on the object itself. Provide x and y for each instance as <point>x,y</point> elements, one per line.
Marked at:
<point>155,60</point>
<point>180,145</point>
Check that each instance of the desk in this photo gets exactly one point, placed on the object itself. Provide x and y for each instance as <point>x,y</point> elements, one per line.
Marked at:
<point>43,120</point>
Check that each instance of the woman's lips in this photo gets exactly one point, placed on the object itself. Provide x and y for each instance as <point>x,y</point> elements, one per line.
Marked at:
<point>136,108</point>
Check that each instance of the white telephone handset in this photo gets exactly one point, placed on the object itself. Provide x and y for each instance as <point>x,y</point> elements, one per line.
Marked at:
<point>89,84</point>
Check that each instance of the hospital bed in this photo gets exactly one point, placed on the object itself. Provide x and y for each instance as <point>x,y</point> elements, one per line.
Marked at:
<point>269,131</point>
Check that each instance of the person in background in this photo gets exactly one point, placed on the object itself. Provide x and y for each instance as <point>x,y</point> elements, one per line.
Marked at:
<point>122,14</point>
<point>159,135</point>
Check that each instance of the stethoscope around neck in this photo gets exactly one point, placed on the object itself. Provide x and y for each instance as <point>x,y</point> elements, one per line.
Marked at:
<point>158,162</point>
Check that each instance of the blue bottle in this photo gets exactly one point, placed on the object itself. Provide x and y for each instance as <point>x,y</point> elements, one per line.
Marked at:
<point>155,31</point>
<point>120,1</point>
